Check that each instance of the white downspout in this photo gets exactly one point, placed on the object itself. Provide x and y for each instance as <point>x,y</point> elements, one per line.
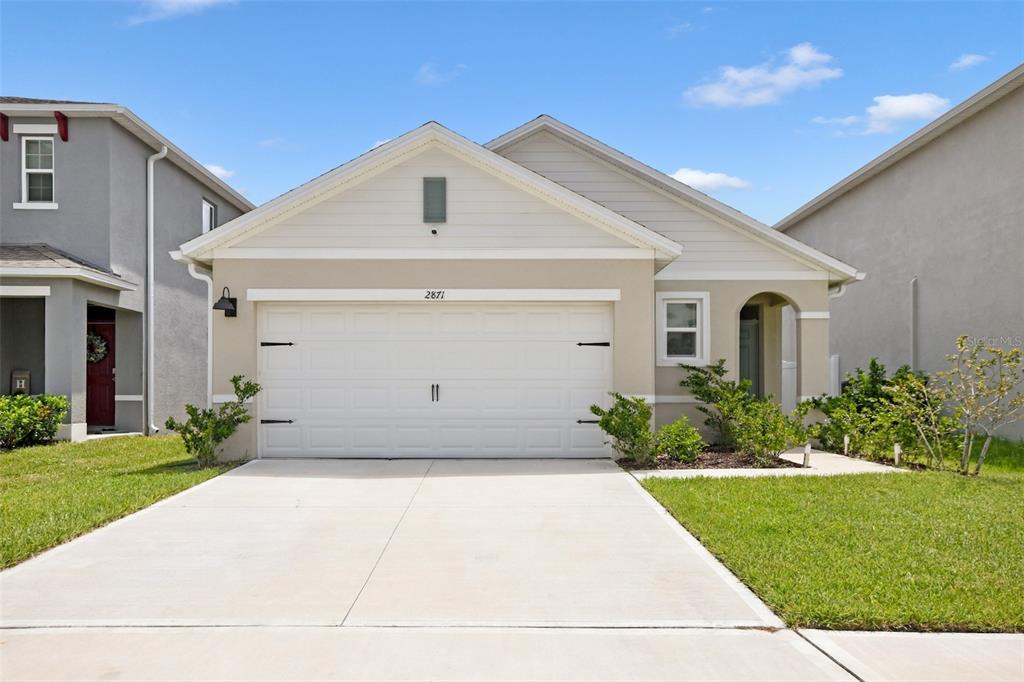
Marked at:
<point>197,274</point>
<point>150,294</point>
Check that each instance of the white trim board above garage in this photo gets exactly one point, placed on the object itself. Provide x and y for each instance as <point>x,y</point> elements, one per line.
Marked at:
<point>433,295</point>
<point>424,140</point>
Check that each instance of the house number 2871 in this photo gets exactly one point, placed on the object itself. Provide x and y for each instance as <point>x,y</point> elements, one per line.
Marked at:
<point>433,294</point>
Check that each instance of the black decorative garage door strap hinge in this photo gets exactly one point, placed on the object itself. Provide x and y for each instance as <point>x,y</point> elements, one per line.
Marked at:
<point>587,421</point>
<point>277,421</point>
<point>595,343</point>
<point>276,343</point>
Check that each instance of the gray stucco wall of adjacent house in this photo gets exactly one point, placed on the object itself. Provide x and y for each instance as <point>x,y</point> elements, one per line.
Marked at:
<point>100,187</point>
<point>951,215</point>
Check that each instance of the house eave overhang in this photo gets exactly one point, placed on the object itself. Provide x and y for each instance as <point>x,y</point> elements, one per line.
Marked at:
<point>80,274</point>
<point>838,271</point>
<point>202,248</point>
<point>140,129</point>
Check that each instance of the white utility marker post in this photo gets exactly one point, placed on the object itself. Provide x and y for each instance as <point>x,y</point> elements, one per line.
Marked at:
<point>807,456</point>
<point>896,452</point>
<point>846,444</point>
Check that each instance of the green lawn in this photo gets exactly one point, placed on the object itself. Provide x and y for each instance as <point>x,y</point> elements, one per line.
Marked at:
<point>912,551</point>
<point>52,493</point>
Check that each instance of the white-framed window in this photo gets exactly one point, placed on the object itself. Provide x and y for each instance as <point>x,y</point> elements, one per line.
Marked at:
<point>684,327</point>
<point>37,170</point>
<point>209,216</point>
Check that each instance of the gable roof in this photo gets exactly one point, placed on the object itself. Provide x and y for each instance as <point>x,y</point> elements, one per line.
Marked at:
<point>839,271</point>
<point>939,126</point>
<point>390,153</point>
<point>28,106</point>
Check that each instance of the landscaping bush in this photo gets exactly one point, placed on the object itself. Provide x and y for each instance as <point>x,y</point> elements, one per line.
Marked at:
<point>29,420</point>
<point>680,440</point>
<point>628,422</point>
<point>864,412</point>
<point>764,432</point>
<point>205,429</point>
<point>723,399</point>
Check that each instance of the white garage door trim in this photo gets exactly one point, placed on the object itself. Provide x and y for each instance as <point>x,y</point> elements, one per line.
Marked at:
<point>433,295</point>
<point>517,379</point>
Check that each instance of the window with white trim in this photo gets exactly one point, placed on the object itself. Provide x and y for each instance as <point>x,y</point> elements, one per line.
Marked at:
<point>37,170</point>
<point>209,216</point>
<point>683,327</point>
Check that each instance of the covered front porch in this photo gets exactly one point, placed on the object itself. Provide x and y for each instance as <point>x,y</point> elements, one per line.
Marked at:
<point>67,328</point>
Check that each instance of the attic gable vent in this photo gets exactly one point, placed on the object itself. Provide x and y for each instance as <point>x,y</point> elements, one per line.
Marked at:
<point>435,200</point>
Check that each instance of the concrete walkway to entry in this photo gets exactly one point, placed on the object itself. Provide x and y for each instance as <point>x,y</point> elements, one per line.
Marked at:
<point>458,570</point>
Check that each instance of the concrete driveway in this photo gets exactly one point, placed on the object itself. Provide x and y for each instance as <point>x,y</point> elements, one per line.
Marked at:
<point>400,569</point>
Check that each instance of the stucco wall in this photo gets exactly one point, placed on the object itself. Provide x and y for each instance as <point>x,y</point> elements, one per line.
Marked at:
<point>727,298</point>
<point>235,350</point>
<point>100,187</point>
<point>950,214</point>
<point>22,329</point>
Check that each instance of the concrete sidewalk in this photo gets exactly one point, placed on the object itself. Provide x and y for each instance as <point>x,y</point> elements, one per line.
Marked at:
<point>925,656</point>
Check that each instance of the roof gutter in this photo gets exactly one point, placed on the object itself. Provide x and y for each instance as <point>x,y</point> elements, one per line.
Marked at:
<point>150,294</point>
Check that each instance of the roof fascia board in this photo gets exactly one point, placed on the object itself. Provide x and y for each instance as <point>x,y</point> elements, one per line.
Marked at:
<point>83,274</point>
<point>392,153</point>
<point>940,126</point>
<point>707,205</point>
<point>128,120</point>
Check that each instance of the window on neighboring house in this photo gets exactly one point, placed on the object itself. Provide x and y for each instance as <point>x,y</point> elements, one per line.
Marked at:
<point>435,200</point>
<point>209,216</point>
<point>37,170</point>
<point>683,327</point>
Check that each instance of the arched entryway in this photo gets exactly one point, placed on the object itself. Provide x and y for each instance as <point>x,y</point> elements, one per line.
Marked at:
<point>759,342</point>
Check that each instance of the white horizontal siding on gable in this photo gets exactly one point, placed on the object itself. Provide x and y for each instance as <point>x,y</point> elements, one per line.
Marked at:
<point>707,244</point>
<point>386,211</point>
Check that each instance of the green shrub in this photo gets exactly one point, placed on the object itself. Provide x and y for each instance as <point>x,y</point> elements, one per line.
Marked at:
<point>764,432</point>
<point>30,419</point>
<point>628,422</point>
<point>723,399</point>
<point>205,429</point>
<point>864,412</point>
<point>679,440</point>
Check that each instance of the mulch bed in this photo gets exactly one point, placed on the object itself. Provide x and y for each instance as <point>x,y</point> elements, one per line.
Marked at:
<point>712,458</point>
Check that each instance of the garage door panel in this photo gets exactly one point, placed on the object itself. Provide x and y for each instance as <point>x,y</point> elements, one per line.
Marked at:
<point>357,382</point>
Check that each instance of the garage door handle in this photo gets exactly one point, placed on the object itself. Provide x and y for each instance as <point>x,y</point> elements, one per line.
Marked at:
<point>276,343</point>
<point>587,421</point>
<point>595,343</point>
<point>277,421</point>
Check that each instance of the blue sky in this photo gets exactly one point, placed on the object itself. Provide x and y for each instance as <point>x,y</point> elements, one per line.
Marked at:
<point>761,104</point>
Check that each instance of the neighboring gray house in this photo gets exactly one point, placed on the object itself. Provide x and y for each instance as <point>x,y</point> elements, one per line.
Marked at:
<point>75,284</point>
<point>937,223</point>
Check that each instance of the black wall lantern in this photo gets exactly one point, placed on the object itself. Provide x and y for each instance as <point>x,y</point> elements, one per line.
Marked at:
<point>226,303</point>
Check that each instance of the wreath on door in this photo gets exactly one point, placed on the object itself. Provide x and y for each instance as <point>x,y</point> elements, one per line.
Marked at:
<point>96,347</point>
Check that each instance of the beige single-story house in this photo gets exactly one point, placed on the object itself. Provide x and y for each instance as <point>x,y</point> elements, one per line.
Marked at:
<point>436,297</point>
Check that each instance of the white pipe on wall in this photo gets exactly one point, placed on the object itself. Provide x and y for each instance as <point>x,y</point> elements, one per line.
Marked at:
<point>150,279</point>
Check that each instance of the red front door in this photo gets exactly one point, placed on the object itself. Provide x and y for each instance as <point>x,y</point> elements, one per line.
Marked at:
<point>99,374</point>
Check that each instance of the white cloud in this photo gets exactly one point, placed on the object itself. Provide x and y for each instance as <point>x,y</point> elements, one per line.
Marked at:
<point>706,181</point>
<point>679,29</point>
<point>158,10</point>
<point>967,60</point>
<point>836,120</point>
<point>430,75</point>
<point>220,171</point>
<point>805,67</point>
<point>890,110</point>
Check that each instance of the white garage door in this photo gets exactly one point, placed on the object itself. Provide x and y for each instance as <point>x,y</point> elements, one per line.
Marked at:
<point>432,379</point>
